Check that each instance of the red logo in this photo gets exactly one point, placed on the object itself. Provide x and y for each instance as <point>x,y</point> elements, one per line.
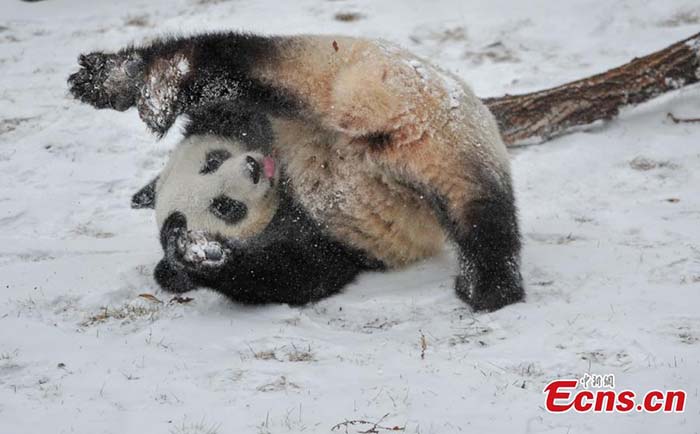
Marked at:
<point>565,395</point>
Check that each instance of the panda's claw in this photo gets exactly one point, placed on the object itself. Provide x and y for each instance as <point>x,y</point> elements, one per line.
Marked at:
<point>91,60</point>
<point>107,80</point>
<point>198,252</point>
<point>193,252</point>
<point>213,252</point>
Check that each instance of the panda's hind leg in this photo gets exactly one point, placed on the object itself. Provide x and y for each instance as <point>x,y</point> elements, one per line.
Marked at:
<point>479,215</point>
<point>470,191</point>
<point>455,159</point>
<point>472,197</point>
<point>485,230</point>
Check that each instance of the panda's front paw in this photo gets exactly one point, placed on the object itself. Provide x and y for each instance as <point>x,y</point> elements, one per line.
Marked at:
<point>108,80</point>
<point>198,250</point>
<point>198,254</point>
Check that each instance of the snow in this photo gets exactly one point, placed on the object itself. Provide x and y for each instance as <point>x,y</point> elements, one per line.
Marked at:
<point>183,67</point>
<point>611,247</point>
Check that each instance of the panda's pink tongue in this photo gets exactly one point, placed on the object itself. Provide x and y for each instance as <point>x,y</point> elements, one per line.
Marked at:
<point>269,167</point>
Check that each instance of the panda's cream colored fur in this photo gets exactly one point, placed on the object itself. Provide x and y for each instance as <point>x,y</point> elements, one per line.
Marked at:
<point>358,203</point>
<point>441,136</point>
<point>181,187</point>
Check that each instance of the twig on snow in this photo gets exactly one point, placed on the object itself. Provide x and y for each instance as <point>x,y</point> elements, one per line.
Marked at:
<point>374,429</point>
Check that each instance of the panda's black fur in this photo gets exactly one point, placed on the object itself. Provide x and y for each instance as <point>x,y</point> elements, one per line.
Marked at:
<point>430,146</point>
<point>251,128</point>
<point>292,261</point>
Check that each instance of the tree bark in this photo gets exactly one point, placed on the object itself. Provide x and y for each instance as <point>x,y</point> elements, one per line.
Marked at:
<point>540,116</point>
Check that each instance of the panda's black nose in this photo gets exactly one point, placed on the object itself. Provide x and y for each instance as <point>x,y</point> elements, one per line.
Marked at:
<point>254,168</point>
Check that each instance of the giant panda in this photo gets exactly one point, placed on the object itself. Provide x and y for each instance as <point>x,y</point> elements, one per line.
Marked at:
<point>386,154</point>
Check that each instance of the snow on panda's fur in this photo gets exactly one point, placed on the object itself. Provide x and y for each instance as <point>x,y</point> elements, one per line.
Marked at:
<point>385,152</point>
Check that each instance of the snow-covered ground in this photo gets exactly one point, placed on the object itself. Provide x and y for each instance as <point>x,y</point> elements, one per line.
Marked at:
<point>611,258</point>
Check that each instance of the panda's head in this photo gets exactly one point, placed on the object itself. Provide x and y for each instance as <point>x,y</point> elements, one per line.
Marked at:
<point>219,186</point>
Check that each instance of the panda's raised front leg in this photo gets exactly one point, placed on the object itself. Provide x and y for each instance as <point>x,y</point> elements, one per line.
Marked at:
<point>173,76</point>
<point>349,84</point>
<point>126,79</point>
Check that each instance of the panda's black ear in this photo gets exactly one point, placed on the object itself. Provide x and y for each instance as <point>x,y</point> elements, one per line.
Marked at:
<point>146,197</point>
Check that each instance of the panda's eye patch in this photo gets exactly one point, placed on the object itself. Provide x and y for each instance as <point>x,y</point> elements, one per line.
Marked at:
<point>229,210</point>
<point>214,160</point>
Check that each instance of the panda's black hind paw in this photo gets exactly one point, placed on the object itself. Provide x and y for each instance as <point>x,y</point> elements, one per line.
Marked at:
<point>491,291</point>
<point>107,80</point>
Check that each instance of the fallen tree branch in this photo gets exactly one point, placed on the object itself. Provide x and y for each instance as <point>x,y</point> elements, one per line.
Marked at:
<point>682,120</point>
<point>539,116</point>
